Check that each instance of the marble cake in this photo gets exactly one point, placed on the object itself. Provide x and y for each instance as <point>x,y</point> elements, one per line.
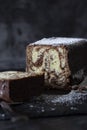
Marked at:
<point>19,86</point>
<point>60,59</point>
<point>49,57</point>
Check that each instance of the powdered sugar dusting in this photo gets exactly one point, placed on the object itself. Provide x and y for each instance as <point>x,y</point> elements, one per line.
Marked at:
<point>58,40</point>
<point>73,108</point>
<point>72,98</point>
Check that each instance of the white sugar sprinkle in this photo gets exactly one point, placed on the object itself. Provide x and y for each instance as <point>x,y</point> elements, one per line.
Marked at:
<point>58,40</point>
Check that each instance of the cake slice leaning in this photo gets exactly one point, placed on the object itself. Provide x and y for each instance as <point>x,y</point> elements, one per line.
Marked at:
<point>19,86</point>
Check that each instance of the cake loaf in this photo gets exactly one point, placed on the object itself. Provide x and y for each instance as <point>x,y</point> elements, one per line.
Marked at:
<point>62,60</point>
<point>19,86</point>
<point>50,58</point>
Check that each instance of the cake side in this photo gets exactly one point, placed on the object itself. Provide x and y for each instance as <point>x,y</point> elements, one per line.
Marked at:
<point>52,61</point>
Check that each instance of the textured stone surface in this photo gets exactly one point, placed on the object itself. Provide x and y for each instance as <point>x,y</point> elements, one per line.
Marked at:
<point>61,123</point>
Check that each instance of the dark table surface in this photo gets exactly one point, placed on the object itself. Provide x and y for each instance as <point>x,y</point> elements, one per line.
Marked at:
<point>58,123</point>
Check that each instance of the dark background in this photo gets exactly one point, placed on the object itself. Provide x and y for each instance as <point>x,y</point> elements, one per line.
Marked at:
<point>25,21</point>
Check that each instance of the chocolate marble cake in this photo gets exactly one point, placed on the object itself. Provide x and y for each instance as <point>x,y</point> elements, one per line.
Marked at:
<point>60,59</point>
<point>19,86</point>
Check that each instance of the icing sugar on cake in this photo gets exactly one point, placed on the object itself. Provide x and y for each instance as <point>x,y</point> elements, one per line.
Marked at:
<point>58,40</point>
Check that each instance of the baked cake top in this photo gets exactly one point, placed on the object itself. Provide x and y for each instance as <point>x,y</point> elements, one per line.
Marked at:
<point>58,40</point>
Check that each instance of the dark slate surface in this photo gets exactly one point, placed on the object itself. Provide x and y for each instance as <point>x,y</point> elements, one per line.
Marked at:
<point>57,123</point>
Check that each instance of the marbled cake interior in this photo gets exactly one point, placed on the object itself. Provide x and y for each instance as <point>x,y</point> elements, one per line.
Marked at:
<point>50,60</point>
